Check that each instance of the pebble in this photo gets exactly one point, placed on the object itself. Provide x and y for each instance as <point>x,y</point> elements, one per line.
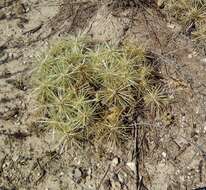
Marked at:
<point>6,164</point>
<point>190,56</point>
<point>77,173</point>
<point>132,166</point>
<point>164,154</point>
<point>13,55</point>
<point>61,174</point>
<point>89,172</point>
<point>174,27</point>
<point>115,162</point>
<point>169,25</point>
<point>193,54</point>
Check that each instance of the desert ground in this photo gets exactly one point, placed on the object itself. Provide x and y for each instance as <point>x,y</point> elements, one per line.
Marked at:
<point>172,150</point>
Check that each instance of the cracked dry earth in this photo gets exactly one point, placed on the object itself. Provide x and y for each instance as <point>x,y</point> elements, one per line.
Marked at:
<point>173,154</point>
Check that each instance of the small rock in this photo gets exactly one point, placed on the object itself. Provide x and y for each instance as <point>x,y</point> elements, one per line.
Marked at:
<point>6,164</point>
<point>190,56</point>
<point>115,162</point>
<point>169,25</point>
<point>132,166</point>
<point>193,54</point>
<point>61,174</point>
<point>89,172</point>
<point>175,27</point>
<point>77,175</point>
<point>164,154</point>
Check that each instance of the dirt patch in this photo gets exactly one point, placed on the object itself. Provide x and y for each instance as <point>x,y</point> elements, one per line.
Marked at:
<point>74,17</point>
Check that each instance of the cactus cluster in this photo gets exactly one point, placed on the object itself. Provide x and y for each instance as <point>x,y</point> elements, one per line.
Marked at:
<point>191,14</point>
<point>91,91</point>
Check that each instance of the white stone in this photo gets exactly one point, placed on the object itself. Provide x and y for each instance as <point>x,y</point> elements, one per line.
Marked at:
<point>190,56</point>
<point>164,154</point>
<point>170,25</point>
<point>132,166</point>
<point>115,161</point>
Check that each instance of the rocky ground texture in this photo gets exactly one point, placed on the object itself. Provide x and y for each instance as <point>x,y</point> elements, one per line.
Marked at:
<point>173,148</point>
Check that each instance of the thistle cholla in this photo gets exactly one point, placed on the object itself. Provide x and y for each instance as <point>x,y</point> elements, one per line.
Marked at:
<point>91,91</point>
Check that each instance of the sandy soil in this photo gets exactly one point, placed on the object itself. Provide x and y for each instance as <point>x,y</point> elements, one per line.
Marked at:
<point>172,148</point>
